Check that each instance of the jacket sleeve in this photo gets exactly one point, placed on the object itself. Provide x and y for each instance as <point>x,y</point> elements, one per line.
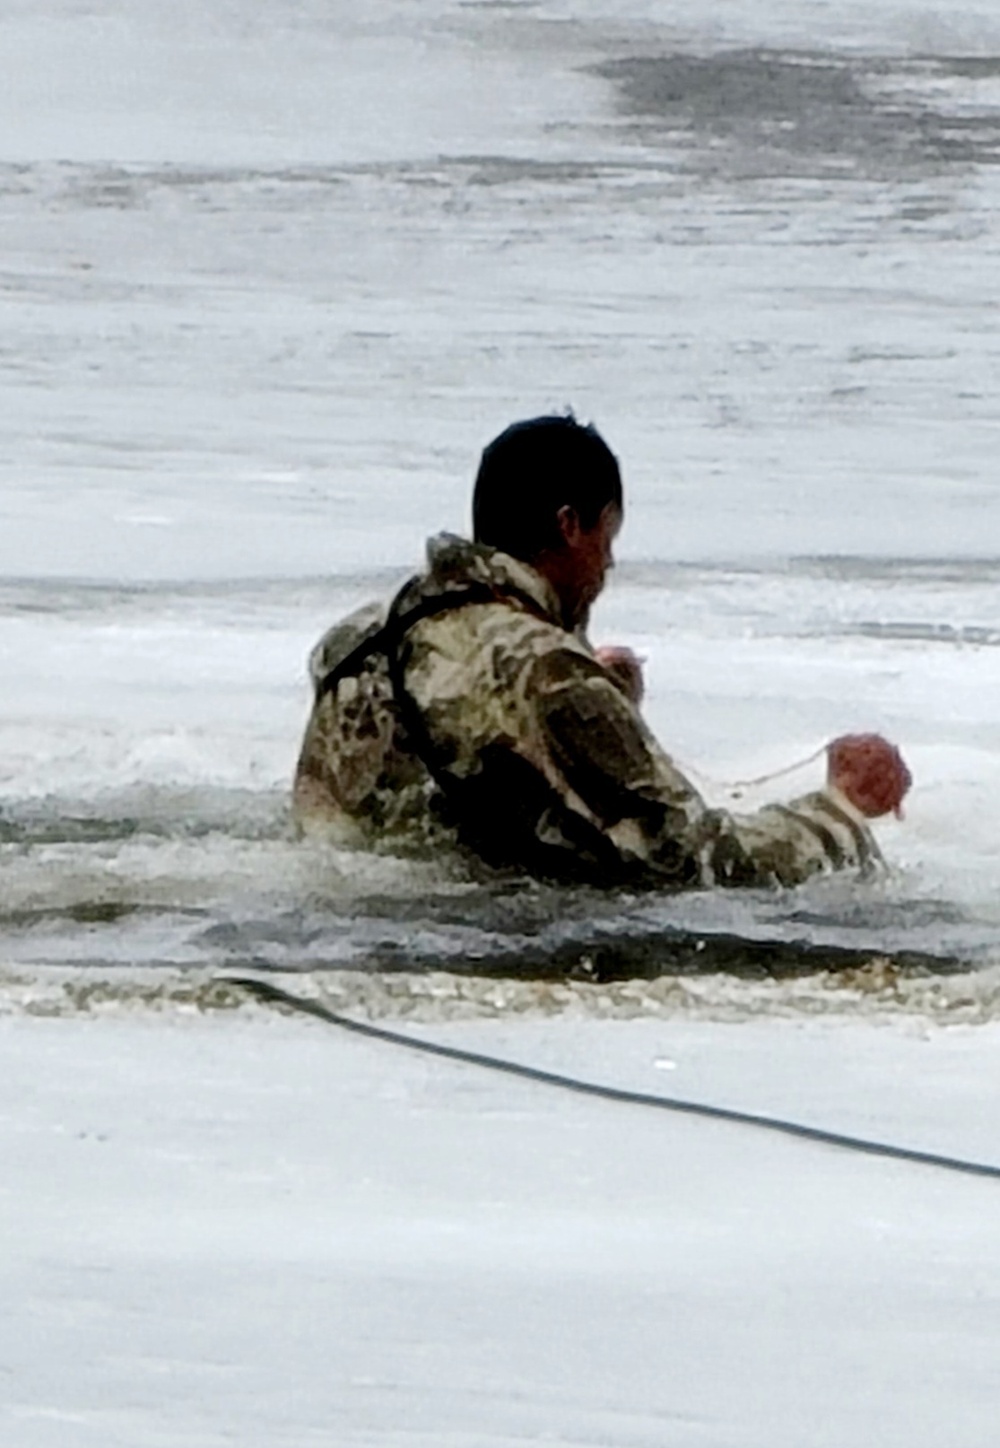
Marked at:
<point>617,774</point>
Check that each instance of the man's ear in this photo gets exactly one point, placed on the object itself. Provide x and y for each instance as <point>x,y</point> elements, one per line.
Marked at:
<point>568,520</point>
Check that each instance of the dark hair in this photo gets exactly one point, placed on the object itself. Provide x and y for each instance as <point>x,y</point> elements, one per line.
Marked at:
<point>532,470</point>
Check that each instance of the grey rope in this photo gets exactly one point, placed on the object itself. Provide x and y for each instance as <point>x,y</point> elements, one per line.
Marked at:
<point>265,990</point>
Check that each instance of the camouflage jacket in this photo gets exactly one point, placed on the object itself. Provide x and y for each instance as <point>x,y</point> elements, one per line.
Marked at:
<point>467,713</point>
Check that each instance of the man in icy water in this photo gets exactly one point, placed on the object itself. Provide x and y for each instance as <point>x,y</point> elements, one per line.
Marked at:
<point>473,714</point>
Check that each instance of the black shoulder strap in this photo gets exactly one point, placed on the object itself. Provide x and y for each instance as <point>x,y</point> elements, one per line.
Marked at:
<point>387,639</point>
<point>463,803</point>
<point>496,811</point>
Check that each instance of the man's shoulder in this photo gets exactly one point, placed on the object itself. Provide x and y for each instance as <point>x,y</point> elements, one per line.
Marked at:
<point>343,637</point>
<point>473,598</point>
<point>501,633</point>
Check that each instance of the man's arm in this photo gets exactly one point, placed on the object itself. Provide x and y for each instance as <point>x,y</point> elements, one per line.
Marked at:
<point>655,817</point>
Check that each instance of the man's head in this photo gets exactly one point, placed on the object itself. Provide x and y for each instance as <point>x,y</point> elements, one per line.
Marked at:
<point>549,492</point>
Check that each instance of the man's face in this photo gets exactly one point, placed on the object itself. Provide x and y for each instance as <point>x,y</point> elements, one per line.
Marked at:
<point>589,555</point>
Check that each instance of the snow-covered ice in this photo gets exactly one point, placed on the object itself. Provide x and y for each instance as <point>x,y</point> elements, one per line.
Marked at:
<point>253,1230</point>
<point>270,276</point>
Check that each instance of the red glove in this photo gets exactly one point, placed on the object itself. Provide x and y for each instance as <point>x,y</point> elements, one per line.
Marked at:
<point>870,772</point>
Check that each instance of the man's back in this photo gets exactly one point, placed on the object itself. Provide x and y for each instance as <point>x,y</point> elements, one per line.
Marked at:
<point>470,715</point>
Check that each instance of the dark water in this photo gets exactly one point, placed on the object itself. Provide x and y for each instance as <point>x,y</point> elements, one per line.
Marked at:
<point>765,112</point>
<point>156,886</point>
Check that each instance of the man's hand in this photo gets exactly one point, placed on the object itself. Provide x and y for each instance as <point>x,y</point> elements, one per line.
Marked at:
<point>625,668</point>
<point>870,772</point>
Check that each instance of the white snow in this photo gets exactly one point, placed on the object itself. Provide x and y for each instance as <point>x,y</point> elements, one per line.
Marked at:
<point>255,1230</point>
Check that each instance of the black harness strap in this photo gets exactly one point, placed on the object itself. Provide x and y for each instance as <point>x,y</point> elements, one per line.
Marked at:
<point>387,639</point>
<point>495,810</point>
<point>459,796</point>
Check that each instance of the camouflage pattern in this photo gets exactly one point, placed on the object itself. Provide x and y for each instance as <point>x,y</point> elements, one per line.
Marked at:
<point>505,737</point>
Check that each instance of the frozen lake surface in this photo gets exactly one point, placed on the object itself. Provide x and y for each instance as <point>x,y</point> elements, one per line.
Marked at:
<point>271,277</point>
<point>254,1230</point>
<point>271,274</point>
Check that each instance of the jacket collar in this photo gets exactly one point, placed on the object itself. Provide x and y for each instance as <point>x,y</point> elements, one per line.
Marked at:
<point>456,562</point>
